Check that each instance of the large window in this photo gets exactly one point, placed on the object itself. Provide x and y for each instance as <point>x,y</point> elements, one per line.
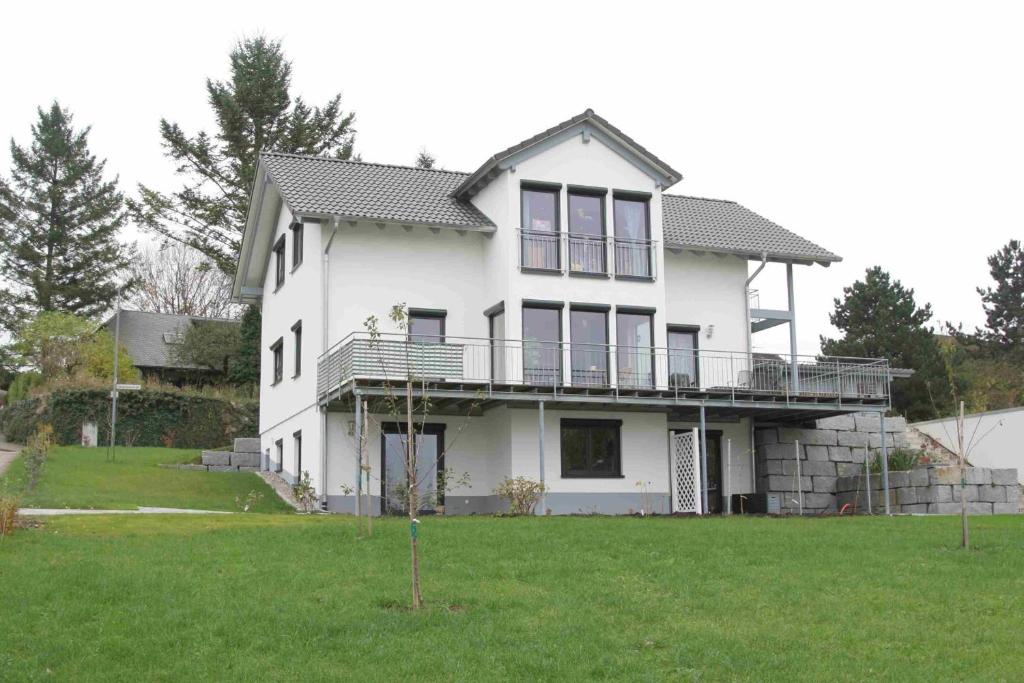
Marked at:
<point>540,228</point>
<point>542,350</point>
<point>426,325</point>
<point>588,333</point>
<point>591,448</point>
<point>682,357</point>
<point>297,238</point>
<point>277,349</point>
<point>632,236</point>
<point>297,333</point>
<point>635,353</point>
<point>279,262</point>
<point>586,232</point>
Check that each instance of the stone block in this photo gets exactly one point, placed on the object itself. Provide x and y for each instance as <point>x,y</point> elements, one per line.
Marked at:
<point>918,477</point>
<point>875,441</point>
<point>1004,476</point>
<point>1013,495</point>
<point>991,494</point>
<point>867,423</point>
<point>778,451</point>
<point>784,484</point>
<point>247,445</point>
<point>848,469</point>
<point>896,424</point>
<point>900,440</point>
<point>915,509</point>
<point>766,436</point>
<point>943,508</point>
<point>970,492</point>
<point>808,437</point>
<point>198,468</point>
<point>906,496</point>
<point>247,468</point>
<point>823,484</point>
<point>979,475</point>
<point>838,422</point>
<point>245,459</point>
<point>840,454</point>
<point>944,475</point>
<point>820,501</point>
<point>935,493</point>
<point>813,468</point>
<point>854,439</point>
<point>979,508</point>
<point>223,468</point>
<point>216,458</point>
<point>819,453</point>
<point>899,480</point>
<point>770,467</point>
<point>1005,508</point>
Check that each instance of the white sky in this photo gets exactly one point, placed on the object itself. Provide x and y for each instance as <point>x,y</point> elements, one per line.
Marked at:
<point>890,133</point>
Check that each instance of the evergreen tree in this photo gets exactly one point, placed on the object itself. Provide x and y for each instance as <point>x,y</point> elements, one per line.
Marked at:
<point>1004,304</point>
<point>254,113</point>
<point>59,223</point>
<point>880,319</point>
<point>425,159</point>
<point>244,368</point>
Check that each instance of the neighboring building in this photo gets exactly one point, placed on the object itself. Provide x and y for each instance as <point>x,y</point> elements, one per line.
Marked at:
<point>151,340</point>
<point>993,439</point>
<point>586,320</point>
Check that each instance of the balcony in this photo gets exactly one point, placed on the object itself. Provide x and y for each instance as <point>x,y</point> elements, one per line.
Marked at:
<point>577,254</point>
<point>508,366</point>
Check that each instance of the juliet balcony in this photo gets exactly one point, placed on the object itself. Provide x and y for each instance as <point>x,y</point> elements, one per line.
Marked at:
<point>516,368</point>
<point>593,255</point>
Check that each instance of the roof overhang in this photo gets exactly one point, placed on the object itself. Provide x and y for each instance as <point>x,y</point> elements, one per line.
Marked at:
<point>588,125</point>
<point>265,203</point>
<point>773,257</point>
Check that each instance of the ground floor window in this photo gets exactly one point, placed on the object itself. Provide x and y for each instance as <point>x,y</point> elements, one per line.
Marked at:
<point>279,448</point>
<point>298,455</point>
<point>591,448</point>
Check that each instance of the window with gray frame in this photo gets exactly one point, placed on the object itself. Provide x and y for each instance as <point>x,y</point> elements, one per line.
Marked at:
<point>632,236</point>
<point>297,444</point>
<point>591,448</point>
<point>588,335</point>
<point>297,239</point>
<point>297,340</point>
<point>587,253</point>
<point>539,234</point>
<point>542,350</point>
<point>277,349</point>
<point>635,350</point>
<point>279,447</point>
<point>279,263</point>
<point>682,357</point>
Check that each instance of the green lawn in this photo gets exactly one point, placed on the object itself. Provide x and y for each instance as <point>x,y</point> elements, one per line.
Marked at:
<point>290,597</point>
<point>75,477</point>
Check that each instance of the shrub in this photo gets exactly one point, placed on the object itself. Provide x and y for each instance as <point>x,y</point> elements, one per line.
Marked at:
<point>22,385</point>
<point>147,417</point>
<point>34,454</point>
<point>8,509</point>
<point>521,493</point>
<point>304,493</point>
<point>900,460</point>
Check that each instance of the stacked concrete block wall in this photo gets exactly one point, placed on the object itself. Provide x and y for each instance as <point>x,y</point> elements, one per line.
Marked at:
<point>244,457</point>
<point>833,447</point>
<point>934,490</point>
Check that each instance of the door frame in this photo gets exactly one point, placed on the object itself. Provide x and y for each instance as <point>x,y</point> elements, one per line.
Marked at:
<point>712,434</point>
<point>430,428</point>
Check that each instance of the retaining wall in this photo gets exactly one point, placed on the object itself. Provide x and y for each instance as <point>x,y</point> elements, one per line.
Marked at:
<point>934,490</point>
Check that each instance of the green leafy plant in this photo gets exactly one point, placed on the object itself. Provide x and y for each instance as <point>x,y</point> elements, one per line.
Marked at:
<point>900,460</point>
<point>8,510</point>
<point>34,454</point>
<point>249,502</point>
<point>304,493</point>
<point>521,493</point>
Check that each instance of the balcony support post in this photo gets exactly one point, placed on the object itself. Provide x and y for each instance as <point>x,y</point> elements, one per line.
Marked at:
<point>359,454</point>
<point>540,453</point>
<point>795,376</point>
<point>703,460</point>
<point>885,461</point>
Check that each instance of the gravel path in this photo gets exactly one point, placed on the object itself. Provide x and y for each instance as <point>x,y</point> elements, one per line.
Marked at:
<point>57,512</point>
<point>8,452</point>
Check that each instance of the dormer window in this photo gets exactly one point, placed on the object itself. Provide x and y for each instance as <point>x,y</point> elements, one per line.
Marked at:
<point>540,227</point>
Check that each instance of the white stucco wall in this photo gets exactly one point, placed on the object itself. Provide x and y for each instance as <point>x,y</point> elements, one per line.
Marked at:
<point>996,438</point>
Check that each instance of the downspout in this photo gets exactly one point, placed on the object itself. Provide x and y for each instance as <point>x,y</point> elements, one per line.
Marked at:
<point>750,360</point>
<point>325,274</point>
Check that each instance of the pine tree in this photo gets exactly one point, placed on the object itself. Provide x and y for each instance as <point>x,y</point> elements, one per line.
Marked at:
<point>59,224</point>
<point>425,159</point>
<point>880,319</point>
<point>254,113</point>
<point>1004,305</point>
<point>244,368</point>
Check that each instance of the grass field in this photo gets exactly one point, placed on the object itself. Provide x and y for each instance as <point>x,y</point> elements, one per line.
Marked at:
<point>75,477</point>
<point>291,597</point>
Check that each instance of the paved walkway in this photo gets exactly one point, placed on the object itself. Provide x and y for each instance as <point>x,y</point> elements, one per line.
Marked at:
<point>8,452</point>
<point>56,512</point>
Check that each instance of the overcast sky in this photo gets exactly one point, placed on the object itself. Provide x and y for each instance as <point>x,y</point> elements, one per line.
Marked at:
<point>890,133</point>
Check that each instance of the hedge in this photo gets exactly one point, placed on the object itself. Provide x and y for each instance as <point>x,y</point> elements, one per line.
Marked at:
<point>144,418</point>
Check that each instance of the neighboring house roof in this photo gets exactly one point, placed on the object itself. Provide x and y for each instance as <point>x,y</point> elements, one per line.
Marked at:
<point>723,226</point>
<point>150,338</point>
<point>667,175</point>
<point>322,186</point>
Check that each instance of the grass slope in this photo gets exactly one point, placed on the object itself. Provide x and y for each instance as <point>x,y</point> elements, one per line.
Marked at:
<point>286,597</point>
<point>76,477</point>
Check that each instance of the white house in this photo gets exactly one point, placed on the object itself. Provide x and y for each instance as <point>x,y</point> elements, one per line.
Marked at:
<point>571,321</point>
<point>991,439</point>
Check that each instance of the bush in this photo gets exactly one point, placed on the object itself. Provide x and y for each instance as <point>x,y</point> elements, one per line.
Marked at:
<point>8,509</point>
<point>900,460</point>
<point>21,385</point>
<point>147,417</point>
<point>521,493</point>
<point>34,454</point>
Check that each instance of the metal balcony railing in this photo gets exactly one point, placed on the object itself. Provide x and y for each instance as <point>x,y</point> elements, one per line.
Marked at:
<point>587,254</point>
<point>559,365</point>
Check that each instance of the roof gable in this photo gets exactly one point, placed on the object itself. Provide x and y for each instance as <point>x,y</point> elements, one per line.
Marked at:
<point>586,124</point>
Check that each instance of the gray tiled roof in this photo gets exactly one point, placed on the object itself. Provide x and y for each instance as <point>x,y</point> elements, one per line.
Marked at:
<point>320,185</point>
<point>723,226</point>
<point>148,337</point>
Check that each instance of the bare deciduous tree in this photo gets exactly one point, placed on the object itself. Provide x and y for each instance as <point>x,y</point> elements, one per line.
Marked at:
<point>175,278</point>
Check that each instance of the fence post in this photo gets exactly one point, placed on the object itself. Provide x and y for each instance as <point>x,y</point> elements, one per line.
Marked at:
<point>799,483</point>
<point>867,479</point>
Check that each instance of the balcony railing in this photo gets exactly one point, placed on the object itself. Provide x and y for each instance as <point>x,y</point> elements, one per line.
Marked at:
<point>559,366</point>
<point>579,254</point>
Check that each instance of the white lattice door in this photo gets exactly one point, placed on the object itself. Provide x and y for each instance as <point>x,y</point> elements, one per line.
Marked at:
<point>686,472</point>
